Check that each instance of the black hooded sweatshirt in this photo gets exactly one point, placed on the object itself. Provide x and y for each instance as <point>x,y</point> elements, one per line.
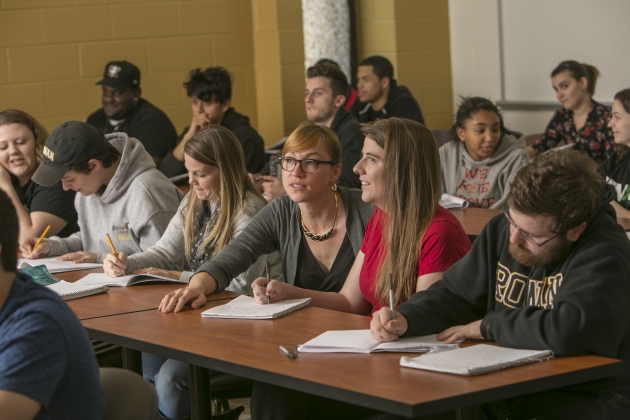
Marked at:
<point>580,305</point>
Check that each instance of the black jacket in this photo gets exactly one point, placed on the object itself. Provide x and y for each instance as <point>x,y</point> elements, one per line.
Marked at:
<point>580,305</point>
<point>400,103</point>
<point>347,129</point>
<point>252,143</point>
<point>146,122</point>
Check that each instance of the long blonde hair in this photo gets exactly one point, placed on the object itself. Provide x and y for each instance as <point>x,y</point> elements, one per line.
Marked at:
<point>411,176</point>
<point>217,146</point>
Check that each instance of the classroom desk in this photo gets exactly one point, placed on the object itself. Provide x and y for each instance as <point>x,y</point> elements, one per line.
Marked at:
<point>249,348</point>
<point>474,219</point>
<point>121,300</point>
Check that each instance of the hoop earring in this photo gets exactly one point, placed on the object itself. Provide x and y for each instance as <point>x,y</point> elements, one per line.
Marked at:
<point>333,187</point>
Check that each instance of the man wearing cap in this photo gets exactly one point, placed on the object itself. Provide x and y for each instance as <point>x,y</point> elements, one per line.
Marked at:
<point>124,111</point>
<point>121,193</point>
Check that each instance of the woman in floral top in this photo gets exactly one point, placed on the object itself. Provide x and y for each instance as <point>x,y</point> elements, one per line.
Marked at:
<point>581,121</point>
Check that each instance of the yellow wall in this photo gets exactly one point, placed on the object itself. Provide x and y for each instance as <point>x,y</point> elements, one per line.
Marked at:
<point>279,66</point>
<point>53,51</point>
<point>414,35</point>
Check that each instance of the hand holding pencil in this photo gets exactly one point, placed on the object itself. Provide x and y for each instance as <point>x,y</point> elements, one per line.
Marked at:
<point>36,247</point>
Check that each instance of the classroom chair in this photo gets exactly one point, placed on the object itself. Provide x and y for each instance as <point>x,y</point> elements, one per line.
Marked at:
<point>128,396</point>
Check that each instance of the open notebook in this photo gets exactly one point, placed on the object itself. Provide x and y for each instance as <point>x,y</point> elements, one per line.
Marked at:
<point>55,266</point>
<point>361,341</point>
<point>475,360</point>
<point>102,279</point>
<point>245,307</point>
<point>450,202</point>
<point>69,291</point>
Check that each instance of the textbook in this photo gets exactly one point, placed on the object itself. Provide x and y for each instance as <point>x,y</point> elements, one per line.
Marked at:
<point>450,202</point>
<point>102,279</point>
<point>69,291</point>
<point>245,307</point>
<point>361,341</point>
<point>475,360</point>
<point>56,266</point>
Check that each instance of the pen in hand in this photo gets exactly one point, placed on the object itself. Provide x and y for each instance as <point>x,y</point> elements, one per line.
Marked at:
<point>41,238</point>
<point>391,295</point>
<point>111,245</point>
<point>267,282</point>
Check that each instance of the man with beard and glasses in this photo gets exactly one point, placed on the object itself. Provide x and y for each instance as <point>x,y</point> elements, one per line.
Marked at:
<point>552,272</point>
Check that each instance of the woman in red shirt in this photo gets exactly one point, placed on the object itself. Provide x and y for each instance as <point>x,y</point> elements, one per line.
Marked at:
<point>409,235</point>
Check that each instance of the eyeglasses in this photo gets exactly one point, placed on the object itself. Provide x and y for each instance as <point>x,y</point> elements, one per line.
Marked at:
<point>526,235</point>
<point>308,165</point>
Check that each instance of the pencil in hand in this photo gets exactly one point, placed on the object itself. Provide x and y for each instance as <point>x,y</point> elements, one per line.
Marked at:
<point>391,296</point>
<point>268,280</point>
<point>111,245</point>
<point>41,238</point>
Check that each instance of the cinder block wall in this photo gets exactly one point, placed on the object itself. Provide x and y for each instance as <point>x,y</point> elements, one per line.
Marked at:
<point>53,51</point>
<point>414,36</point>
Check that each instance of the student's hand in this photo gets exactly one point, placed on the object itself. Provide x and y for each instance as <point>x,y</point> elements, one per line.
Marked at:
<point>175,275</point>
<point>383,328</point>
<point>272,187</point>
<point>41,251</point>
<point>175,301</point>
<point>198,123</point>
<point>257,179</point>
<point>5,179</point>
<point>461,332</point>
<point>115,266</point>
<point>78,257</point>
<point>275,290</point>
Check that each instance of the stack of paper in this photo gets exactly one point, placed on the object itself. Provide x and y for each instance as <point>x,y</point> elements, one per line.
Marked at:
<point>69,291</point>
<point>475,360</point>
<point>102,279</point>
<point>245,307</point>
<point>450,202</point>
<point>361,341</point>
<point>56,266</point>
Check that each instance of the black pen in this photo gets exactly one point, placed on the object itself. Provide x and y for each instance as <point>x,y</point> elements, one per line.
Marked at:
<point>267,283</point>
<point>391,296</point>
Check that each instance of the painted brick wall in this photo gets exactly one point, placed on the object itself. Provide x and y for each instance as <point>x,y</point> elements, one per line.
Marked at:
<point>414,35</point>
<point>53,51</point>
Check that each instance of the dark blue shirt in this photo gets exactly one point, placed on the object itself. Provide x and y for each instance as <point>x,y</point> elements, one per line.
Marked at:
<point>46,355</point>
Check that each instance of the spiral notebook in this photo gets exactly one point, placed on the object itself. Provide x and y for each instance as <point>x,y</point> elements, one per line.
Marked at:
<point>475,360</point>
<point>245,307</point>
<point>361,341</point>
<point>69,291</point>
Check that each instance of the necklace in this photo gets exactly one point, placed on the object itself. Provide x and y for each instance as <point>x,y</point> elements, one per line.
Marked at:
<point>320,238</point>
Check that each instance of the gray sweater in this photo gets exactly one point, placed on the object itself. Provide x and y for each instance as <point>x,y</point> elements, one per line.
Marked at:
<point>485,183</point>
<point>277,228</point>
<point>134,209</point>
<point>168,253</point>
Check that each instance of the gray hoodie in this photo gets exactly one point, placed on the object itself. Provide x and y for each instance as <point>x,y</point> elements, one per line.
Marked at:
<point>486,183</point>
<point>134,209</point>
<point>168,253</point>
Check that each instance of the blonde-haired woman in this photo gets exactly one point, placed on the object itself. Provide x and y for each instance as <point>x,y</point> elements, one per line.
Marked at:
<point>22,140</point>
<point>221,203</point>
<point>318,228</point>
<point>409,236</point>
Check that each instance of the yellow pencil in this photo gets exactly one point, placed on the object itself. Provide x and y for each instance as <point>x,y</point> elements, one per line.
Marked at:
<point>41,238</point>
<point>111,245</point>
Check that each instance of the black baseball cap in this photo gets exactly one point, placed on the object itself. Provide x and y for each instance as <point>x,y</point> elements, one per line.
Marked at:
<point>71,143</point>
<point>121,75</point>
